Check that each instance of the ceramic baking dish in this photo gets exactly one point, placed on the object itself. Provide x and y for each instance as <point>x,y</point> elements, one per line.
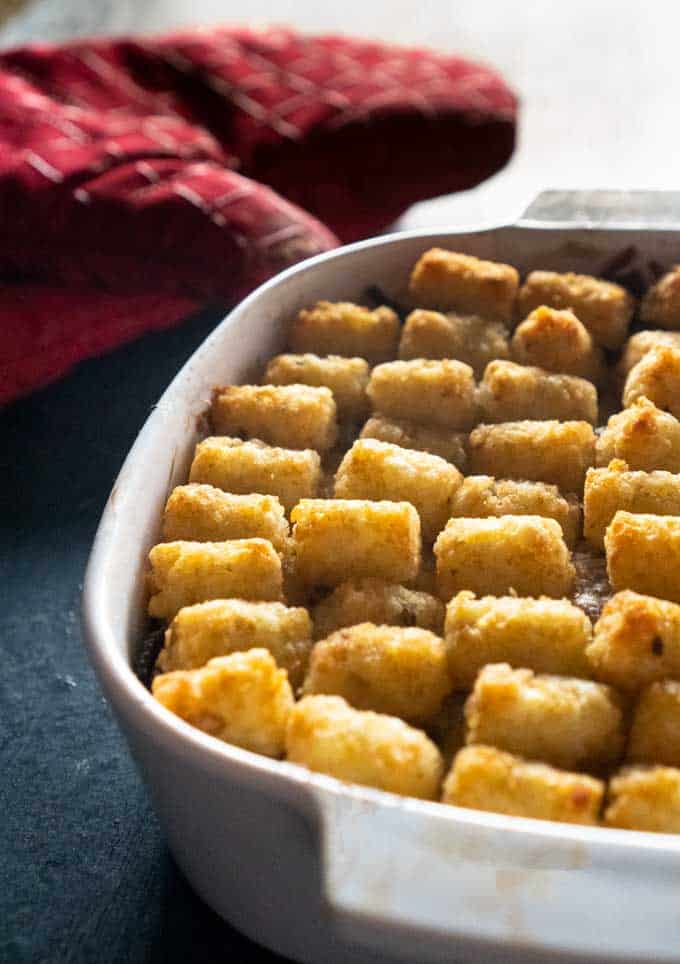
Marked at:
<point>312,868</point>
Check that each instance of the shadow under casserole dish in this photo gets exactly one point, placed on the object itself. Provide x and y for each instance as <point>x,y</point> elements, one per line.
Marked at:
<point>437,551</point>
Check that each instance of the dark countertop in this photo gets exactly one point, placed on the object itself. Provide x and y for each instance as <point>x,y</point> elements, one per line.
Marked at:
<point>84,872</point>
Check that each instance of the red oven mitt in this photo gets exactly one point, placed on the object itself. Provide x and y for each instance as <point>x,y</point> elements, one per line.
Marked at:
<point>139,179</point>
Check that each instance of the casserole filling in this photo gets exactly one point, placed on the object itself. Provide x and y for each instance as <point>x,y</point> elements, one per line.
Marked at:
<point>442,558</point>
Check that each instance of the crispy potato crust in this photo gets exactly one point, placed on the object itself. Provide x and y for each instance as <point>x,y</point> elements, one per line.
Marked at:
<point>379,602</point>
<point>343,328</point>
<point>643,553</point>
<point>544,635</point>
<point>643,436</point>
<point>467,338</point>
<point>184,573</point>
<point>447,280</point>
<point>294,416</point>
<point>510,393</point>
<point>570,723</point>
<point>604,308</point>
<point>608,490</point>
<point>655,733</point>
<point>347,378</point>
<point>656,377</point>
<point>636,641</point>
<point>432,392</point>
<point>326,735</point>
<point>556,341</point>
<point>241,699</point>
<point>661,303</point>
<point>645,798</point>
<point>485,778</point>
<point>340,539</point>
<point>401,671</point>
<point>554,452</point>
<point>493,556</point>
<point>640,343</point>
<point>202,632</point>
<point>423,438</point>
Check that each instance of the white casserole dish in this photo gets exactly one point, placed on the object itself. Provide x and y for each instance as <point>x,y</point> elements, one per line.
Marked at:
<point>312,868</point>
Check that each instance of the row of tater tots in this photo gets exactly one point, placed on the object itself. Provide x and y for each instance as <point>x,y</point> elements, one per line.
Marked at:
<point>421,599</point>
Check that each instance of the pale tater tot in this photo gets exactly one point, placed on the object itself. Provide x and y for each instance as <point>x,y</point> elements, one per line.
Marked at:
<point>202,632</point>
<point>643,553</point>
<point>347,378</point>
<point>326,735</point>
<point>608,490</point>
<point>485,778</point>
<point>655,731</point>
<point>661,303</point>
<point>340,539</point>
<point>343,328</point>
<point>242,699</point>
<point>377,470</point>
<point>379,602</point>
<point>510,393</point>
<point>244,467</point>
<point>604,308</point>
<point>645,798</point>
<point>184,573</point>
<point>657,377</point>
<point>567,722</point>
<point>467,338</point>
<point>432,392</point>
<point>448,280</point>
<point>423,438</point>
<point>643,436</point>
<point>202,513</point>
<point>545,635</point>
<point>557,341</point>
<point>554,452</point>
<point>294,416</point>
<point>636,641</point>
<point>640,343</point>
<point>398,670</point>
<point>524,553</point>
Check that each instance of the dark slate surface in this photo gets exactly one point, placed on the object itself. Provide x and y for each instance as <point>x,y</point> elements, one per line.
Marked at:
<point>84,872</point>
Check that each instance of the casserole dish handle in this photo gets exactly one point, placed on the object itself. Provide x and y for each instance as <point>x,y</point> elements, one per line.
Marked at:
<point>603,209</point>
<point>443,874</point>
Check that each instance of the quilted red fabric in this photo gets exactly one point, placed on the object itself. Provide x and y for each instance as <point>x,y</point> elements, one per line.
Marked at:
<point>140,178</point>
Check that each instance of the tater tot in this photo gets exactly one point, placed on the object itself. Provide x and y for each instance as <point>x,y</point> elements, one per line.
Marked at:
<point>645,798</point>
<point>294,416</point>
<point>485,778</point>
<point>202,513</point>
<point>569,723</point>
<point>481,496</point>
<point>557,341</point>
<point>661,303</point>
<point>202,632</point>
<point>643,436</point>
<point>343,328</point>
<point>398,670</point>
<point>545,635</point>
<point>510,393</point>
<point>377,470</point>
<point>326,735</point>
<point>460,282</point>
<point>242,699</point>
<point>184,573</point>
<point>467,338</point>
<point>554,452</point>
<point>655,732</point>
<point>643,553</point>
<point>524,553</point>
<point>657,377</point>
<point>347,378</point>
<point>640,343</point>
<point>604,308</point>
<point>243,467</point>
<point>379,602</point>
<point>636,641</point>
<point>608,490</point>
<point>340,539</point>
<point>423,438</point>
<point>432,392</point>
